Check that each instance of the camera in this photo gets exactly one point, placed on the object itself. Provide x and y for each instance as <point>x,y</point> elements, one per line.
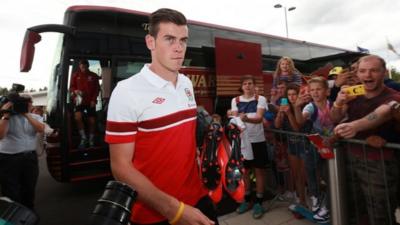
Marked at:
<point>20,104</point>
<point>113,208</point>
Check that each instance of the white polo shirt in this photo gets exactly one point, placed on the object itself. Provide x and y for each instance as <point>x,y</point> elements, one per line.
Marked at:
<point>161,119</point>
<point>139,100</point>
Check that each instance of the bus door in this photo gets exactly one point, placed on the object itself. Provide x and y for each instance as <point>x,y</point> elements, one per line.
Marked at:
<point>96,66</point>
<point>233,59</point>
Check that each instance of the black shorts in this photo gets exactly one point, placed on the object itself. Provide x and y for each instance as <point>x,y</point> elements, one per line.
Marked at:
<point>260,156</point>
<point>85,109</point>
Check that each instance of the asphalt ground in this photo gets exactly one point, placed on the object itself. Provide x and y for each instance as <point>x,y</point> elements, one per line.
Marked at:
<point>72,203</point>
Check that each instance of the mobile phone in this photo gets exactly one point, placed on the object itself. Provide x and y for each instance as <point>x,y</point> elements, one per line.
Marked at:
<point>284,101</point>
<point>355,90</point>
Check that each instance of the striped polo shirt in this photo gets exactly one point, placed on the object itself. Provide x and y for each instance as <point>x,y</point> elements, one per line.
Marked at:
<point>161,119</point>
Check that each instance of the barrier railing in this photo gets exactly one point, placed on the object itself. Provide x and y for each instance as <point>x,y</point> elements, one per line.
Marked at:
<point>363,182</point>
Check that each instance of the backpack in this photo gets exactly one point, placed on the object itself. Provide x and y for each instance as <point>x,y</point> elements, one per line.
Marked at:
<point>308,125</point>
<point>314,116</point>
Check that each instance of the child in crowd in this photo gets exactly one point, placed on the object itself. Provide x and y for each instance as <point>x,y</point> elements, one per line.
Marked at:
<point>286,71</point>
<point>278,92</point>
<point>250,108</point>
<point>286,120</point>
<point>318,112</point>
<point>280,162</point>
<point>281,159</point>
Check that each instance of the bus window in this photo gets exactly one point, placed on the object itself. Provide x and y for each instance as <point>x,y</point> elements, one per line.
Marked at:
<point>126,69</point>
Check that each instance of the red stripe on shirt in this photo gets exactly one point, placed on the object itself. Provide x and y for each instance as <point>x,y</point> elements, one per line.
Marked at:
<point>168,120</point>
<point>116,139</point>
<point>113,126</point>
<point>168,158</point>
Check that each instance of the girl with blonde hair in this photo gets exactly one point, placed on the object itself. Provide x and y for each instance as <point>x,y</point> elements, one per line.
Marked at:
<point>285,71</point>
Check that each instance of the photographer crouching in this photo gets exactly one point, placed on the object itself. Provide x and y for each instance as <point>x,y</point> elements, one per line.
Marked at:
<point>19,167</point>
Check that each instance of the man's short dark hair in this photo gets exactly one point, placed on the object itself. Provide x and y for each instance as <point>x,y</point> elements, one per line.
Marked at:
<point>292,86</point>
<point>164,15</point>
<point>247,77</point>
<point>84,62</point>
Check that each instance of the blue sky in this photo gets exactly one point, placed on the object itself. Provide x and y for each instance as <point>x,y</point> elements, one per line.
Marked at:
<point>340,23</point>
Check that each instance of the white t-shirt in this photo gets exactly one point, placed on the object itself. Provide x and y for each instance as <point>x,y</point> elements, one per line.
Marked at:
<point>250,106</point>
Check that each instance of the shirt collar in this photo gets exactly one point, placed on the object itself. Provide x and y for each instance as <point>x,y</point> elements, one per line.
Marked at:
<point>155,79</point>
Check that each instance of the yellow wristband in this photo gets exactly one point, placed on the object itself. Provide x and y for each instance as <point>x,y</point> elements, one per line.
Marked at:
<point>178,214</point>
<point>337,105</point>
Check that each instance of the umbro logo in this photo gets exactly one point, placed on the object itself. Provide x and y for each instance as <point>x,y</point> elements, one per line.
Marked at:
<point>158,100</point>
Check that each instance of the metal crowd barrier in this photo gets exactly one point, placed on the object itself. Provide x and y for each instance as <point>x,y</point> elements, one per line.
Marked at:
<point>363,182</point>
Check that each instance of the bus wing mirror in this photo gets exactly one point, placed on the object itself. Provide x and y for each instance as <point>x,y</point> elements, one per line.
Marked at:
<point>28,50</point>
<point>32,36</point>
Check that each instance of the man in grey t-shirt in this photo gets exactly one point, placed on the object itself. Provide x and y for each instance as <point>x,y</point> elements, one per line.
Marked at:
<point>19,168</point>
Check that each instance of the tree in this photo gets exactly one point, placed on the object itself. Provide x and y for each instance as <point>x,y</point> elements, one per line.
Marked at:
<point>395,74</point>
<point>3,91</point>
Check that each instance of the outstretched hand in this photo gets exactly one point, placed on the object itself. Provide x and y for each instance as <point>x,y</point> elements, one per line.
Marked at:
<point>343,77</point>
<point>303,99</point>
<point>346,130</point>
